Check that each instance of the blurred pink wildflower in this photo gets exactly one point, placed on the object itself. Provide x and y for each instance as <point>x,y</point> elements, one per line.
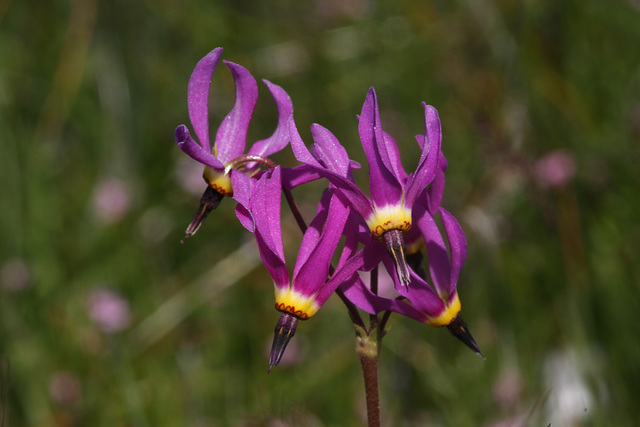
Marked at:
<point>555,169</point>
<point>111,200</point>
<point>108,310</point>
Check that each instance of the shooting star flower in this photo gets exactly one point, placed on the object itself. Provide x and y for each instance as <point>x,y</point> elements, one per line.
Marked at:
<point>228,151</point>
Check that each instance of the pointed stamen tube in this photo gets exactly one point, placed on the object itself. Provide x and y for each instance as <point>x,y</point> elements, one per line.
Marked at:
<point>459,329</point>
<point>394,239</point>
<point>284,331</point>
<point>209,201</point>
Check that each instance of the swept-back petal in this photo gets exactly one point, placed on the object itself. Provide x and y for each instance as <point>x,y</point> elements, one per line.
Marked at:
<point>436,189</point>
<point>232,133</point>
<point>356,198</point>
<point>298,175</point>
<point>314,269</point>
<point>457,247</point>
<point>439,267</point>
<point>385,184</point>
<point>394,156</point>
<point>313,232</point>
<point>194,150</point>
<point>428,164</point>
<point>358,293</point>
<point>328,150</point>
<point>242,189</point>
<point>300,150</point>
<point>280,137</point>
<point>265,210</point>
<point>422,296</point>
<point>198,96</point>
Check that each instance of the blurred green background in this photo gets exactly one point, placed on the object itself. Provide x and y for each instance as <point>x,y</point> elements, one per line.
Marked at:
<point>107,320</point>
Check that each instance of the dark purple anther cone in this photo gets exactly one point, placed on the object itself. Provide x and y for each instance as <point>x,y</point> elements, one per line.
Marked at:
<point>459,329</point>
<point>209,201</point>
<point>285,330</point>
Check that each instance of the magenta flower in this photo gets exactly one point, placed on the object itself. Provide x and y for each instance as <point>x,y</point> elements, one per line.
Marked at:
<point>228,150</point>
<point>555,169</point>
<point>437,304</point>
<point>388,211</point>
<point>108,310</point>
<point>300,296</point>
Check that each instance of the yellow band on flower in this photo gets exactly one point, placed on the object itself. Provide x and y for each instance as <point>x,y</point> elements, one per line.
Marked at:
<point>448,315</point>
<point>221,182</point>
<point>391,217</point>
<point>290,301</point>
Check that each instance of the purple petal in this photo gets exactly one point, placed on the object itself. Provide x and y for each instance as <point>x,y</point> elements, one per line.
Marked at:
<point>359,294</point>
<point>356,232</point>
<point>232,133</point>
<point>194,150</point>
<point>428,164</point>
<point>313,232</point>
<point>265,209</point>
<point>298,175</point>
<point>366,259</point>
<point>357,199</point>
<point>422,296</point>
<point>280,137</point>
<point>198,96</point>
<point>314,269</point>
<point>328,150</point>
<point>384,183</point>
<point>439,267</point>
<point>245,218</point>
<point>300,150</point>
<point>242,189</point>
<point>394,155</point>
<point>342,275</point>
<point>436,190</point>
<point>457,246</point>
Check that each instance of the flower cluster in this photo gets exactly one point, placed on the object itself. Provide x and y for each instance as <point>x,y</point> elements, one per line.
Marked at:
<point>388,228</point>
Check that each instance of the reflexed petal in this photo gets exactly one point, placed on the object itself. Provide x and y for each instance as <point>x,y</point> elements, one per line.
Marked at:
<point>358,293</point>
<point>342,275</point>
<point>328,150</point>
<point>300,150</point>
<point>313,232</point>
<point>358,232</point>
<point>245,218</point>
<point>198,96</point>
<point>314,271</point>
<point>384,181</point>
<point>457,246</point>
<point>242,188</point>
<point>428,164</point>
<point>350,190</point>
<point>298,175</point>
<point>439,267</point>
<point>194,150</point>
<point>422,296</point>
<point>265,209</point>
<point>232,133</point>
<point>394,156</point>
<point>436,190</point>
<point>365,259</point>
<point>280,137</point>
